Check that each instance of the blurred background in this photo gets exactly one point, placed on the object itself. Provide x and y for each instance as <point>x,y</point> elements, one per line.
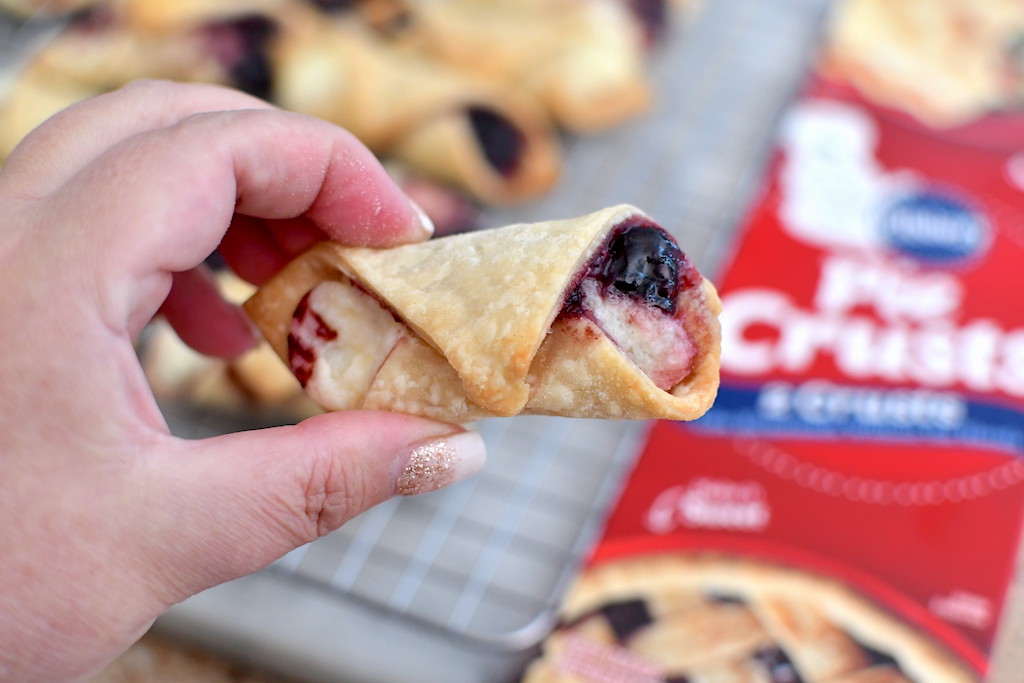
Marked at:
<point>487,113</point>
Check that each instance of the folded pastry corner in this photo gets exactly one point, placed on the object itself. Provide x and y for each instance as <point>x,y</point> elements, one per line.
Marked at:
<point>599,316</point>
<point>945,63</point>
<point>490,141</point>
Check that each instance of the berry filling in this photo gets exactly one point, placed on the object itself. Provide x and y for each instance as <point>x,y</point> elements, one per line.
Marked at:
<point>652,15</point>
<point>631,290</point>
<point>93,19</point>
<point>240,45</point>
<point>308,332</point>
<point>500,141</point>
<point>777,665</point>
<point>627,617</point>
<point>338,340</point>
<point>333,5</point>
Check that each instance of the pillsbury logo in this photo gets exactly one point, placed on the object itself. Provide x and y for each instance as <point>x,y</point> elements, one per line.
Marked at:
<point>934,227</point>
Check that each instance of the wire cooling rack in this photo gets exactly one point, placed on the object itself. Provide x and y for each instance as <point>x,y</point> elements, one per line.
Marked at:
<point>483,559</point>
<point>481,567</point>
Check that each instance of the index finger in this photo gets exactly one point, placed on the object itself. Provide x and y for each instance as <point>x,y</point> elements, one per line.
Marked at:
<point>160,201</point>
<point>70,139</point>
<point>168,195</point>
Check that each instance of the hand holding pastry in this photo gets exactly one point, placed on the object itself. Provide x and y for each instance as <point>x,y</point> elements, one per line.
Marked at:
<point>109,210</point>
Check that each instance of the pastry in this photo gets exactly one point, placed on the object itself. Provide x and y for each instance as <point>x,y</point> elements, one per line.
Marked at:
<point>253,384</point>
<point>101,53</point>
<point>600,316</point>
<point>402,106</point>
<point>29,8</point>
<point>28,101</point>
<point>491,143</point>
<point>583,60</point>
<point>211,41</point>
<point>944,61</point>
<point>703,618</point>
<point>166,16</point>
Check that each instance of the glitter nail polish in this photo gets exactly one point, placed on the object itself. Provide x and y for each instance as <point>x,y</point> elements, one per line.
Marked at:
<point>436,464</point>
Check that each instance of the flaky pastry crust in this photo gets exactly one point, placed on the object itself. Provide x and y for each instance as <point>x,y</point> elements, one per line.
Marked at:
<point>713,613</point>
<point>483,333</point>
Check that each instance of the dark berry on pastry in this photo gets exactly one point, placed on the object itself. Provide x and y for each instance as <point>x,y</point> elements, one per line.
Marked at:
<point>879,658</point>
<point>645,263</point>
<point>777,665</point>
<point>308,331</point>
<point>626,618</point>
<point>241,47</point>
<point>631,290</point>
<point>333,5</point>
<point>652,15</point>
<point>499,140</point>
<point>725,599</point>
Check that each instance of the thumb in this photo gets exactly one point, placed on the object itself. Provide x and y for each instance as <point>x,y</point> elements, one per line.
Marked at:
<point>233,504</point>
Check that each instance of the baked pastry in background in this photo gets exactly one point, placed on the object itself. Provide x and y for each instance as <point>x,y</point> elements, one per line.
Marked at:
<point>945,62</point>
<point>255,383</point>
<point>468,132</point>
<point>584,61</point>
<point>600,316</point>
<point>467,91</point>
<point>704,618</point>
<point>107,46</point>
<point>28,8</point>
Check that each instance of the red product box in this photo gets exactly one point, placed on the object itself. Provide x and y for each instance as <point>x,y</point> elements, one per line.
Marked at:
<point>850,508</point>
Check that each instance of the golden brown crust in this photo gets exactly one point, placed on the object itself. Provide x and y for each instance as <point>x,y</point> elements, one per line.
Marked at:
<point>943,61</point>
<point>480,309</point>
<point>821,623</point>
<point>164,16</point>
<point>45,7</point>
<point>408,107</point>
<point>583,61</point>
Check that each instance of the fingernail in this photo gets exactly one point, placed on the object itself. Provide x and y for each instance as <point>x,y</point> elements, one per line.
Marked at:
<point>425,222</point>
<point>438,463</point>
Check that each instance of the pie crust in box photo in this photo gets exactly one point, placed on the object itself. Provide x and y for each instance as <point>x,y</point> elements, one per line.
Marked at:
<point>946,63</point>
<point>702,618</point>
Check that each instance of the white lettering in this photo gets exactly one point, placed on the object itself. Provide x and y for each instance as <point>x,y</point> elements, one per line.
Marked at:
<point>825,403</point>
<point>895,292</point>
<point>748,310</point>
<point>764,331</point>
<point>709,503</point>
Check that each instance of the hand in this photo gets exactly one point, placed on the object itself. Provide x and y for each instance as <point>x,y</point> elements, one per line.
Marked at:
<point>105,518</point>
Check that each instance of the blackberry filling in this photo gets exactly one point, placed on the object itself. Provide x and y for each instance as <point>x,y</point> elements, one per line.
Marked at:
<point>645,263</point>
<point>93,19</point>
<point>777,665</point>
<point>652,15</point>
<point>879,658</point>
<point>627,617</point>
<point>641,261</point>
<point>723,599</point>
<point>337,341</point>
<point>302,352</point>
<point>500,141</point>
<point>333,5</point>
<point>631,290</point>
<point>241,47</point>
